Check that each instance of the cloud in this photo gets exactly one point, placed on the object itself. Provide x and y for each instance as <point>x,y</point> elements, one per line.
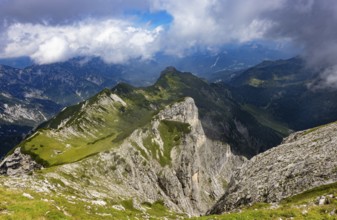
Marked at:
<point>114,40</point>
<point>196,24</point>
<point>203,23</point>
<point>309,24</point>
<point>64,11</point>
<point>312,25</point>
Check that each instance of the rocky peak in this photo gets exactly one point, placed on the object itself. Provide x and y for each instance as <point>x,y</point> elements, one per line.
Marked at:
<point>185,111</point>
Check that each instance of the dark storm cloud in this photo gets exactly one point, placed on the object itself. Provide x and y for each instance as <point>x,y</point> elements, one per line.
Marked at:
<point>310,23</point>
<point>61,11</point>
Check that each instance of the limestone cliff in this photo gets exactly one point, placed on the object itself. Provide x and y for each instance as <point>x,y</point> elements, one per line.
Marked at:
<point>170,160</point>
<point>303,161</point>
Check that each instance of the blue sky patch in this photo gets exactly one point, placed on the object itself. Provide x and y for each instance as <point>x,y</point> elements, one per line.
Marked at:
<point>153,18</point>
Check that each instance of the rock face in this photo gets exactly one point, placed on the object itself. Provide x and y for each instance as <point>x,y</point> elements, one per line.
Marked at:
<point>303,161</point>
<point>18,164</point>
<point>170,160</point>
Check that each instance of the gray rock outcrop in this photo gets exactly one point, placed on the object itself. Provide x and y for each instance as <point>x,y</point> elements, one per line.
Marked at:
<point>18,164</point>
<point>303,161</point>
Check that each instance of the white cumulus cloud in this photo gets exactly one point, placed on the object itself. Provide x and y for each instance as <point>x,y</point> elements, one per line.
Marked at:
<point>113,40</point>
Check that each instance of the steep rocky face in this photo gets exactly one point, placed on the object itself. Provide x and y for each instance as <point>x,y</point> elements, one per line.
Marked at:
<point>170,159</point>
<point>303,161</point>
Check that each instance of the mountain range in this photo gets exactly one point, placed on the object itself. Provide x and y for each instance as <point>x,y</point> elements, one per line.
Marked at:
<point>31,94</point>
<point>180,147</point>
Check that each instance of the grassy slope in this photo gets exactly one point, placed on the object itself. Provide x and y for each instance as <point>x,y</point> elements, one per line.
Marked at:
<point>16,204</point>
<point>267,120</point>
<point>107,125</point>
<point>302,206</point>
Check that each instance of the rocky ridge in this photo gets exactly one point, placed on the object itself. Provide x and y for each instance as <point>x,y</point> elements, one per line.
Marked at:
<point>303,161</point>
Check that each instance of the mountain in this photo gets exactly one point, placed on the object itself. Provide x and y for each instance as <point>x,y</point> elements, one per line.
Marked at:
<point>281,91</point>
<point>18,62</point>
<point>37,92</point>
<point>171,150</point>
<point>34,94</point>
<point>20,109</point>
<point>90,125</point>
<point>303,164</point>
<point>167,158</point>
<point>176,141</point>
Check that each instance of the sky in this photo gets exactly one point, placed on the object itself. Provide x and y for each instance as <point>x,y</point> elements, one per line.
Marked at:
<point>50,31</point>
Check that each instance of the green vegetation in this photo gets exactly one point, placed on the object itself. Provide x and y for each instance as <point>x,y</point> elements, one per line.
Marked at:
<point>267,120</point>
<point>301,206</point>
<point>143,153</point>
<point>152,146</point>
<point>316,128</point>
<point>28,205</point>
<point>171,132</point>
<point>256,82</point>
<point>307,196</point>
<point>23,204</point>
<point>87,131</point>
